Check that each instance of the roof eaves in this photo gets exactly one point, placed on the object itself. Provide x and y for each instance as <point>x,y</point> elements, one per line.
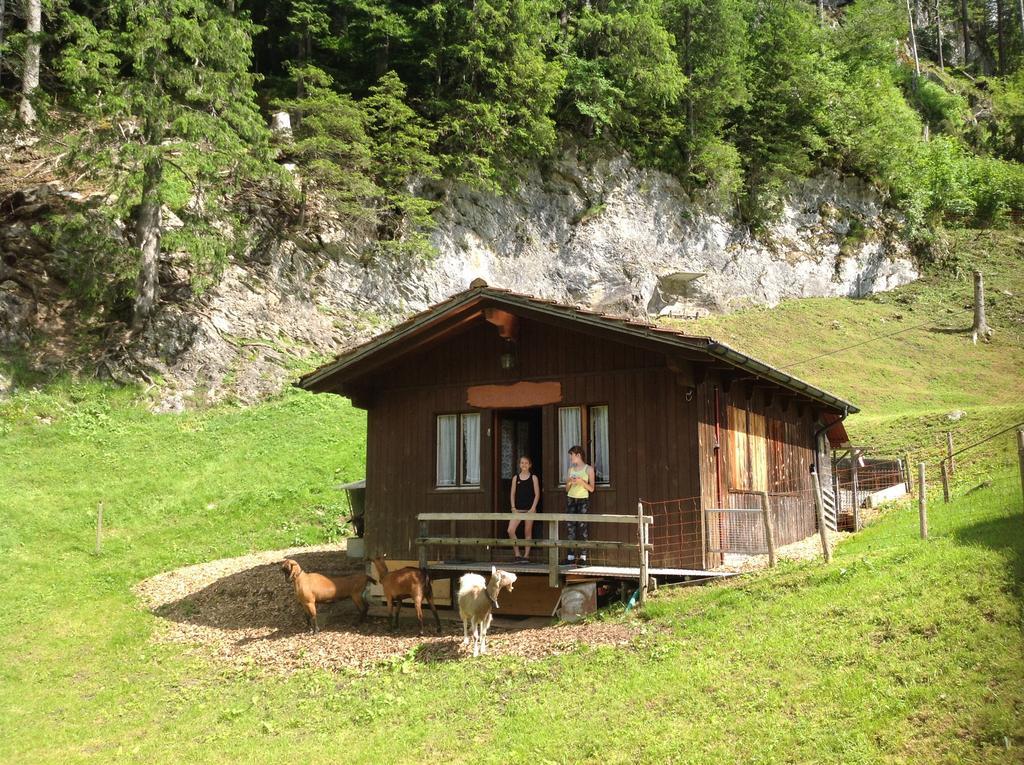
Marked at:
<point>343,360</point>
<point>763,369</point>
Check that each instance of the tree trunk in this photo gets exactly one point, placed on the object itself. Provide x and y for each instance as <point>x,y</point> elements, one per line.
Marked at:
<point>30,72</point>
<point>691,129</point>
<point>821,10</point>
<point>1000,37</point>
<point>981,328</point>
<point>938,27</point>
<point>1020,3</point>
<point>3,15</point>
<point>147,239</point>
<point>965,29</point>
<point>913,44</point>
<point>382,58</point>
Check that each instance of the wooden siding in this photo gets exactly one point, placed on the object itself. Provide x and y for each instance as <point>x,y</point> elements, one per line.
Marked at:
<point>652,434</point>
<point>765,446</point>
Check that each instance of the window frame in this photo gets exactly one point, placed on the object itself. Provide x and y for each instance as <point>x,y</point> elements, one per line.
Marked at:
<point>590,442</point>
<point>460,484</point>
<point>585,440</point>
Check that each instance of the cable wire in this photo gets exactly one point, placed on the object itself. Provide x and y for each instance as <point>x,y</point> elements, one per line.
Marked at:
<point>855,345</point>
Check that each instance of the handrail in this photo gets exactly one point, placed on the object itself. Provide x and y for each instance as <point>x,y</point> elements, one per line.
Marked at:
<point>569,517</point>
<point>643,546</point>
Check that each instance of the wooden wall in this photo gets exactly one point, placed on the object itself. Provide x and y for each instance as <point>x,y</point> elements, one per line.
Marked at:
<point>652,433</point>
<point>766,445</point>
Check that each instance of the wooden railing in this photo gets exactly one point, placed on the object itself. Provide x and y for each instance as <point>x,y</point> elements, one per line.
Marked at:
<point>553,542</point>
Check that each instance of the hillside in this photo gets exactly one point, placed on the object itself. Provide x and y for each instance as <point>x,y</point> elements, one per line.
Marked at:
<point>901,651</point>
<point>920,365</point>
<point>212,202</point>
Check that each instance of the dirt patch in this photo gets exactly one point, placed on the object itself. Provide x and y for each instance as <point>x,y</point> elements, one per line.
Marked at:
<point>241,610</point>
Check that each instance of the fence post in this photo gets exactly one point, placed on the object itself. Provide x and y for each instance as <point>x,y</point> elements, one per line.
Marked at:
<point>99,528</point>
<point>949,452</point>
<point>553,577</point>
<point>769,528</point>
<point>835,492</point>
<point>642,533</point>
<point>1020,457</point>
<point>945,482</point>
<point>703,535</point>
<point>906,473</point>
<point>424,532</point>
<point>922,500</point>
<point>819,507</point>
<point>854,457</point>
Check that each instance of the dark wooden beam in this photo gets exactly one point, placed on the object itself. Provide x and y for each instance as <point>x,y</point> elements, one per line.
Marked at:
<point>700,374</point>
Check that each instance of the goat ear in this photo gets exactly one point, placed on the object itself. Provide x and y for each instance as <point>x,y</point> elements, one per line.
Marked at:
<point>493,570</point>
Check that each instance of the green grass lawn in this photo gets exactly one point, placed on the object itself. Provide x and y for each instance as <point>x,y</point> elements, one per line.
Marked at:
<point>901,651</point>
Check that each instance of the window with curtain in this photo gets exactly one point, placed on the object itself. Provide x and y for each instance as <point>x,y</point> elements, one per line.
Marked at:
<point>570,433</point>
<point>447,456</point>
<point>599,444</point>
<point>471,449</point>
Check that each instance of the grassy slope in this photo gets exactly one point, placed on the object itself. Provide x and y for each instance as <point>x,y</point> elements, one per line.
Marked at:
<point>901,651</point>
<point>907,384</point>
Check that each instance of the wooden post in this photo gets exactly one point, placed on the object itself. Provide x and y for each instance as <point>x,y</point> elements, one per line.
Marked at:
<point>1020,457</point>
<point>819,507</point>
<point>99,528</point>
<point>769,527</point>
<point>424,532</point>
<point>922,500</point>
<point>835,491</point>
<point>906,472</point>
<point>642,532</point>
<point>554,580</point>
<point>854,457</point>
<point>949,452</point>
<point>703,536</point>
<point>945,482</point>
<point>980,328</point>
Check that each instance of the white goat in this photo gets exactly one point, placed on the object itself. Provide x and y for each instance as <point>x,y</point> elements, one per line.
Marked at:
<point>476,598</point>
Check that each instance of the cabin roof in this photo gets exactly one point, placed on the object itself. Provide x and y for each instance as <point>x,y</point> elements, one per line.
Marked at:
<point>451,313</point>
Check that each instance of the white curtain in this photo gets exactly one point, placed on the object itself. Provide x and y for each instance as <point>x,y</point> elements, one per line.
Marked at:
<point>447,436</point>
<point>471,449</point>
<point>569,435</point>
<point>599,443</point>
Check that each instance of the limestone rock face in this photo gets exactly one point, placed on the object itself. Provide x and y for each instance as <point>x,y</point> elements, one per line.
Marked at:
<point>603,234</point>
<point>617,238</point>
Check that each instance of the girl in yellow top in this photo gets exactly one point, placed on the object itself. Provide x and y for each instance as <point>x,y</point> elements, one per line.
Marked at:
<point>579,483</point>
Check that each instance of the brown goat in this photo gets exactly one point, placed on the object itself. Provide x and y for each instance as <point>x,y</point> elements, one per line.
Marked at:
<point>311,589</point>
<point>402,583</point>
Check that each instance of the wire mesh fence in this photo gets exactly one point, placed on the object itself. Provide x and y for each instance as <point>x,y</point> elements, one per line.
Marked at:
<point>677,533</point>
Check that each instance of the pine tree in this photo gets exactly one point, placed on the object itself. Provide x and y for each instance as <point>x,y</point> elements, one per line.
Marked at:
<point>402,143</point>
<point>332,148</point>
<point>173,123</point>
<point>622,74</point>
<point>712,44</point>
<point>492,85</point>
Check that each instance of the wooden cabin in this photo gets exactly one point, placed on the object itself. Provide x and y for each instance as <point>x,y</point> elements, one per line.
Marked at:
<point>682,430</point>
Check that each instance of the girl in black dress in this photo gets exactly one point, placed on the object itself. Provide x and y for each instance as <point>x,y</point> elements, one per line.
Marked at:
<point>524,497</point>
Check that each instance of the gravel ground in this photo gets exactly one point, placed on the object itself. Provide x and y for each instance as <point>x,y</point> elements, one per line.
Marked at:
<point>243,611</point>
<point>806,549</point>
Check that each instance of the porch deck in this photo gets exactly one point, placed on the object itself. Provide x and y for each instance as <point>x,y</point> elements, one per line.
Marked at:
<point>596,572</point>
